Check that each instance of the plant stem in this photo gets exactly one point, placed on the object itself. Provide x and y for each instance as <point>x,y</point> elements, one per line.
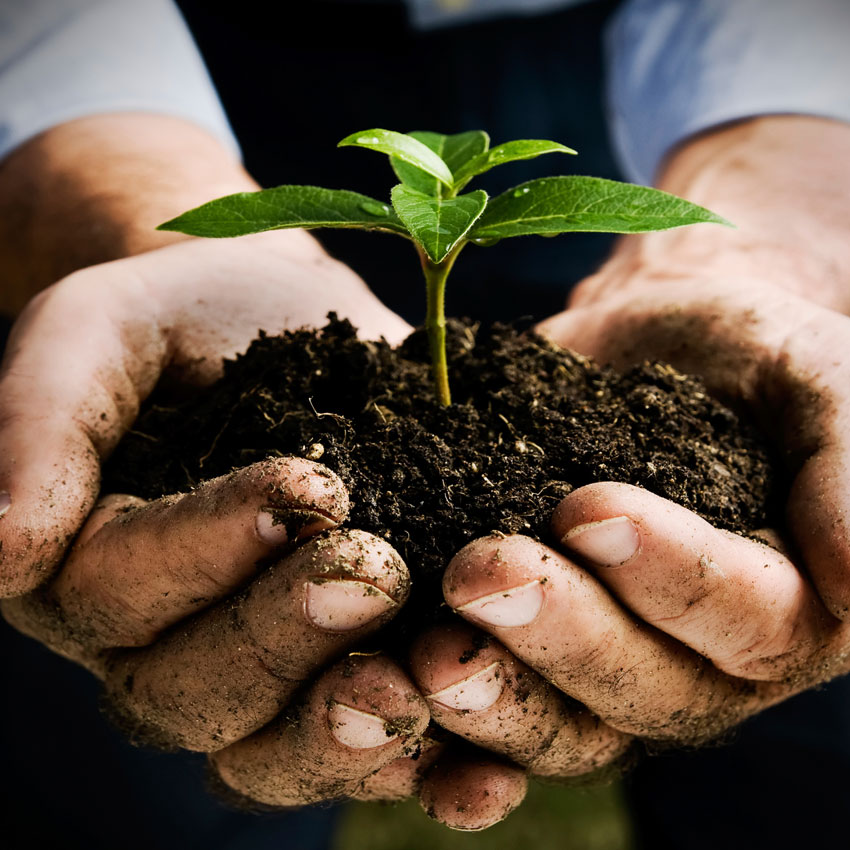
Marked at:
<point>436,275</point>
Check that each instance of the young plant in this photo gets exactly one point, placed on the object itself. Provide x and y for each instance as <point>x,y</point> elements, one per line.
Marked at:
<point>430,209</point>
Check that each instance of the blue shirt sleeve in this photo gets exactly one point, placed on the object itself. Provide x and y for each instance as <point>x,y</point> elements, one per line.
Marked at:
<point>65,59</point>
<point>678,67</point>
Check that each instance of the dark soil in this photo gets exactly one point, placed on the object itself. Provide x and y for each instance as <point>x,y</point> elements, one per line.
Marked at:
<point>530,423</point>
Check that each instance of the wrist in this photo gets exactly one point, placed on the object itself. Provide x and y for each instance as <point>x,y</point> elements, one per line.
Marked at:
<point>94,189</point>
<point>641,263</point>
<point>781,181</point>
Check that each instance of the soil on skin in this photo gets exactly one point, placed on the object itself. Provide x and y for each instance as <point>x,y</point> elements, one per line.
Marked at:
<point>530,423</point>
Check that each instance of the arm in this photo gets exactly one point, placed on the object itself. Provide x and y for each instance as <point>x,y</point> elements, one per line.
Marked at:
<point>783,181</point>
<point>108,121</point>
<point>93,189</point>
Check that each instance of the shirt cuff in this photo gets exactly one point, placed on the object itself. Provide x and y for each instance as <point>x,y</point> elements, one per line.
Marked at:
<point>679,67</point>
<point>66,59</point>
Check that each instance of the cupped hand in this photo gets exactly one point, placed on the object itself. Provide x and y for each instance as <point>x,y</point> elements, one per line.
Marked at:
<point>198,611</point>
<point>212,616</point>
<point>660,625</point>
<point>86,352</point>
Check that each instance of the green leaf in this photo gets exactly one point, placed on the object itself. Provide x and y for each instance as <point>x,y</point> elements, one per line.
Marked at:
<point>455,151</point>
<point>285,206</point>
<point>406,148</point>
<point>437,224</point>
<point>508,152</point>
<point>554,205</point>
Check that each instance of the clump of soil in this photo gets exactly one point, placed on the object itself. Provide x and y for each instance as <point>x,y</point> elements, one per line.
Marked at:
<point>530,423</point>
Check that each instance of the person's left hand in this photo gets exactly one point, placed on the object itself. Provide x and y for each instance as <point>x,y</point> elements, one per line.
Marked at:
<point>663,626</point>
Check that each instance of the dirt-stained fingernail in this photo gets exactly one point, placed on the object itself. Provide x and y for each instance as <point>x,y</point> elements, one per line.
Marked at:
<point>474,693</point>
<point>607,543</point>
<point>5,502</point>
<point>516,606</point>
<point>358,729</point>
<point>276,527</point>
<point>342,605</point>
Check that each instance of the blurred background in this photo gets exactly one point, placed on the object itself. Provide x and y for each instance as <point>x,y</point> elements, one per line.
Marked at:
<point>551,818</point>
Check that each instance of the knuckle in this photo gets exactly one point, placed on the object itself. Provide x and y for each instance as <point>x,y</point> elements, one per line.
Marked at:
<point>160,714</point>
<point>31,616</point>
<point>102,613</point>
<point>776,656</point>
<point>566,755</point>
<point>39,616</point>
<point>268,783</point>
<point>17,580</point>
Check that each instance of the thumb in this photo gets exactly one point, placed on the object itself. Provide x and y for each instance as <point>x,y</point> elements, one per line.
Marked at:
<point>70,384</point>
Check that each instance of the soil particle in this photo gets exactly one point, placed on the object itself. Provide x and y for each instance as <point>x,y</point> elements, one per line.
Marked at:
<point>530,423</point>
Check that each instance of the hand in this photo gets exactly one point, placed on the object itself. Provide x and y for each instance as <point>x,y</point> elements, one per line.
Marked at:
<point>87,351</point>
<point>146,597</point>
<point>664,627</point>
<point>196,610</point>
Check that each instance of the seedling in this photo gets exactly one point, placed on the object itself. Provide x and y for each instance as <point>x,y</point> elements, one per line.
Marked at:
<point>430,209</point>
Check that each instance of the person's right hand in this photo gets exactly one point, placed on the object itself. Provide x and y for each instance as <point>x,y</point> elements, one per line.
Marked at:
<point>197,610</point>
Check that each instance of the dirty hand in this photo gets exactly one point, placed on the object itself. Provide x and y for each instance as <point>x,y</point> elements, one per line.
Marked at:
<point>198,611</point>
<point>662,626</point>
<point>85,352</point>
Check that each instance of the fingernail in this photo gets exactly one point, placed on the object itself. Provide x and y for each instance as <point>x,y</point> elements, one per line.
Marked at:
<point>475,692</point>
<point>276,527</point>
<point>271,528</point>
<point>342,605</point>
<point>608,543</point>
<point>517,606</point>
<point>5,502</point>
<point>358,729</point>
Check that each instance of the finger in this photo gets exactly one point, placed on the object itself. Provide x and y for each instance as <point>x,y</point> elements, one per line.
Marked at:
<point>783,361</point>
<point>231,669</point>
<point>402,778</point>
<point>108,507</point>
<point>738,602</point>
<point>360,716</point>
<point>35,615</point>
<point>810,388</point>
<point>470,792</point>
<point>131,577</point>
<point>565,625</point>
<point>476,689</point>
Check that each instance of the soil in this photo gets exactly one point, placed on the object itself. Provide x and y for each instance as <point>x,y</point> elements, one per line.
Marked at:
<point>530,423</point>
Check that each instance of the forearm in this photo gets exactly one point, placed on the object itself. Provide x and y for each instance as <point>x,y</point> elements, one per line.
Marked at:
<point>783,181</point>
<point>94,189</point>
